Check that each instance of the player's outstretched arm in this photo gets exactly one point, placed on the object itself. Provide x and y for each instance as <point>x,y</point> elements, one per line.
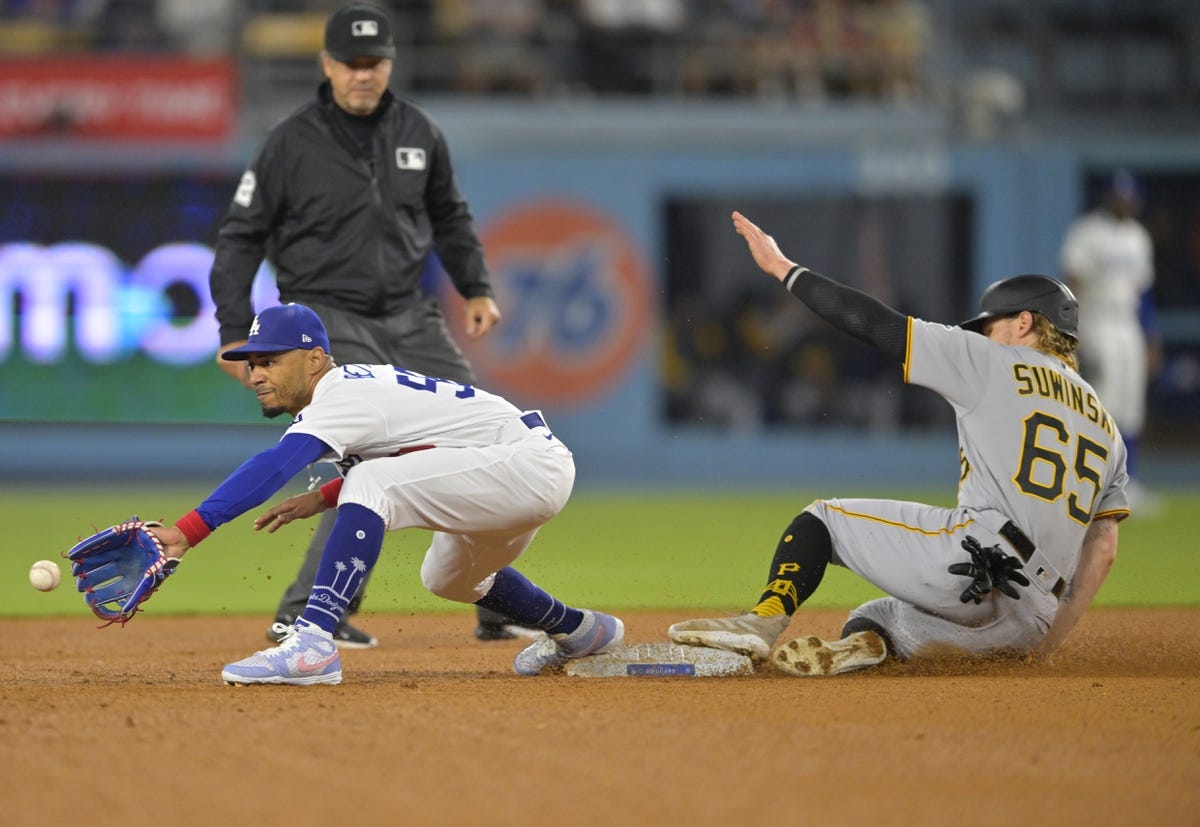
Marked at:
<point>850,311</point>
<point>763,248</point>
<point>298,507</point>
<point>251,484</point>
<point>1097,556</point>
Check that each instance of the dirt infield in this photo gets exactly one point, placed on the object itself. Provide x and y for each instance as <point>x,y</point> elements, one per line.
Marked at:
<point>133,726</point>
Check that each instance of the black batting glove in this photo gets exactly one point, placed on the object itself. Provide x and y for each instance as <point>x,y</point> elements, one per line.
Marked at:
<point>979,570</point>
<point>1004,569</point>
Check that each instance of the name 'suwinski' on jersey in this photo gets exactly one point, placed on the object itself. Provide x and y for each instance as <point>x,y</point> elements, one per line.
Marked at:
<point>369,411</point>
<point>1035,441</point>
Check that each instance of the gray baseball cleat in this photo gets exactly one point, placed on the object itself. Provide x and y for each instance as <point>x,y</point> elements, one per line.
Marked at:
<point>597,633</point>
<point>811,656</point>
<point>307,655</point>
<point>747,634</point>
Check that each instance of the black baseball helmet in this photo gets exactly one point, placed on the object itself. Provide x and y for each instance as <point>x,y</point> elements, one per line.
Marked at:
<point>1040,294</point>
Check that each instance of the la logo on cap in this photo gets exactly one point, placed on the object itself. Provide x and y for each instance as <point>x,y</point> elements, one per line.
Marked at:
<point>364,28</point>
<point>254,327</point>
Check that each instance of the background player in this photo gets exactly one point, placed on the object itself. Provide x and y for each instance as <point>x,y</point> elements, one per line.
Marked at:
<point>1108,258</point>
<point>1040,496</point>
<point>350,194</point>
<point>417,452</point>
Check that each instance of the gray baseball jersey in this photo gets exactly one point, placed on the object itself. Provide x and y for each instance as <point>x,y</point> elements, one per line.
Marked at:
<point>1036,443</point>
<point>1037,449</point>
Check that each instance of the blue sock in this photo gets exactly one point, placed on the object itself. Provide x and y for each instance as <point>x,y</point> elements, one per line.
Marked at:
<point>350,552</point>
<point>513,595</point>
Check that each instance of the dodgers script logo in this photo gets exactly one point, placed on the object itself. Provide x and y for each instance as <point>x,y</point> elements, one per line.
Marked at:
<point>577,305</point>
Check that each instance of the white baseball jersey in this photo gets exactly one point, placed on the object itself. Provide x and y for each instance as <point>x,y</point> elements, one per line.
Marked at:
<point>369,411</point>
<point>429,453</point>
<point>1110,264</point>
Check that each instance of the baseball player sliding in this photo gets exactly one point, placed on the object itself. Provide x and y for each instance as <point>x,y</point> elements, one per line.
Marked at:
<point>1017,561</point>
<point>414,451</point>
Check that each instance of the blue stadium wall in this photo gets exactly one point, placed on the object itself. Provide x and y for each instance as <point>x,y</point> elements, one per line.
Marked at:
<point>1023,197</point>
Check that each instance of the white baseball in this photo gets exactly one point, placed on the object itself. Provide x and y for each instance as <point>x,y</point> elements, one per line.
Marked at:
<point>44,575</point>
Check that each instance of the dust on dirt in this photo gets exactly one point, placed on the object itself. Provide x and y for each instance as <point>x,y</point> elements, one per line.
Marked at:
<point>133,726</point>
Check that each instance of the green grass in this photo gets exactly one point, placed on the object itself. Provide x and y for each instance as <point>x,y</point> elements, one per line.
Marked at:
<point>643,550</point>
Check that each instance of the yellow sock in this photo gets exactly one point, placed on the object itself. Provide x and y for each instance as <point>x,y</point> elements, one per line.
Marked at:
<point>769,607</point>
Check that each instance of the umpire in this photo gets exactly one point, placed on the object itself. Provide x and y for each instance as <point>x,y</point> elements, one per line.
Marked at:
<point>348,196</point>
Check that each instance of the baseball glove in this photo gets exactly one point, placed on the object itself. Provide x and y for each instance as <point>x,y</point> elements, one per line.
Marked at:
<point>117,569</point>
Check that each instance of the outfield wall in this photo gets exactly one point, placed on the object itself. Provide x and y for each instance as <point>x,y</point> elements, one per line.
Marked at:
<point>571,207</point>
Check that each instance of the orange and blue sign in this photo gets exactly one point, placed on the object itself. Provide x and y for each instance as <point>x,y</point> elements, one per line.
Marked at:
<point>575,295</point>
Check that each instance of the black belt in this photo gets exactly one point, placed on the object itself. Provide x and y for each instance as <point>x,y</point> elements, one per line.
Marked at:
<point>533,419</point>
<point>1025,549</point>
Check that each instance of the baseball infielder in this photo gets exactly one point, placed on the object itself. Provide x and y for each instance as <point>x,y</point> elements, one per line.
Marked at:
<point>1040,494</point>
<point>414,451</point>
<point>1108,259</point>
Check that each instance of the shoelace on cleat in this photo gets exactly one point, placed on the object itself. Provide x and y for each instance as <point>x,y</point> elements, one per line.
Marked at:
<point>291,639</point>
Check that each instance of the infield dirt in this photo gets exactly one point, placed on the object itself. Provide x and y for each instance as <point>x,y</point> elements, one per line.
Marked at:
<point>133,726</point>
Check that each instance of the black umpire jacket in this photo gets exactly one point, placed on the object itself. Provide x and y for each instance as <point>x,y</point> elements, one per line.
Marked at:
<point>342,229</point>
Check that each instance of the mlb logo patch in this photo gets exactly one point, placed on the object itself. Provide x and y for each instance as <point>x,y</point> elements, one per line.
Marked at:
<point>364,28</point>
<point>410,157</point>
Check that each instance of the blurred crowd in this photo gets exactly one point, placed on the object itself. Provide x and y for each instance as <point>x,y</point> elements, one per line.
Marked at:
<point>796,49</point>
<point>758,363</point>
<point>751,362</point>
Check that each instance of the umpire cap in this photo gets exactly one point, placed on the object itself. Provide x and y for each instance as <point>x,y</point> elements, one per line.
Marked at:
<point>1040,294</point>
<point>359,30</point>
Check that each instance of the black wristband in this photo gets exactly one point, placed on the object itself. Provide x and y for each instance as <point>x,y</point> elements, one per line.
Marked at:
<point>790,278</point>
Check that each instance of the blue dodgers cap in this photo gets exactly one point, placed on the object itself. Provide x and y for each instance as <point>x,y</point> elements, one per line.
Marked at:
<point>1124,184</point>
<point>283,327</point>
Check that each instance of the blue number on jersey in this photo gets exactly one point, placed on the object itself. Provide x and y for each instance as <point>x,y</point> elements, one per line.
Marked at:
<point>421,382</point>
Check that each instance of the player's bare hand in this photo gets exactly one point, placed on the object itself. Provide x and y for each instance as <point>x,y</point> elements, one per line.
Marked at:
<point>482,315</point>
<point>766,252</point>
<point>173,542</point>
<point>238,370</point>
<point>294,508</point>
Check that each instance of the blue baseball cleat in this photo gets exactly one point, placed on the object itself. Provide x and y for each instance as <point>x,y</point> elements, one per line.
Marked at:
<point>597,633</point>
<point>306,655</point>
